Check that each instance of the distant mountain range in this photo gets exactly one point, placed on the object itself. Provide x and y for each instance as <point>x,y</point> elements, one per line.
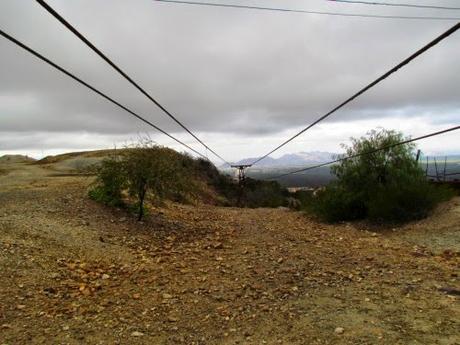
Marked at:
<point>289,160</point>
<point>316,157</point>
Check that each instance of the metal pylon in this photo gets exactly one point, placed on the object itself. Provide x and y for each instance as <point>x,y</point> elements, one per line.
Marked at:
<point>241,180</point>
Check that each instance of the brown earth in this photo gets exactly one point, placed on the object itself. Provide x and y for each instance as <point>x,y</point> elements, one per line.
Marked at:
<point>75,272</point>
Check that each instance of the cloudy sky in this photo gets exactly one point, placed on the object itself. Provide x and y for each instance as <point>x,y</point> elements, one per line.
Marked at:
<point>243,80</point>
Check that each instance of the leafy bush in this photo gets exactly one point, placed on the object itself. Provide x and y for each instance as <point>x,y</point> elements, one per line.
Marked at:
<point>110,182</point>
<point>145,171</point>
<point>264,194</point>
<point>335,203</point>
<point>255,193</point>
<point>384,186</point>
<point>154,172</point>
<point>405,202</point>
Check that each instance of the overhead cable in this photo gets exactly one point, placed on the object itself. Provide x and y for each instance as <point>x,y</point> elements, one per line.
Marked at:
<point>386,147</point>
<point>392,4</point>
<point>100,93</point>
<point>122,73</point>
<point>276,9</point>
<point>369,86</point>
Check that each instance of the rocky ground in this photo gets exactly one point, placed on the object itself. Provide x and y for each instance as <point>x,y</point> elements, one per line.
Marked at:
<point>75,272</point>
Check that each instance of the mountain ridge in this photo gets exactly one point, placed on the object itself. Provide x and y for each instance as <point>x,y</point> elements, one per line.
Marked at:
<point>288,159</point>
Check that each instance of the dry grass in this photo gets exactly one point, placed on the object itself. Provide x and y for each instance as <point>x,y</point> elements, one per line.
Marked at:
<point>82,154</point>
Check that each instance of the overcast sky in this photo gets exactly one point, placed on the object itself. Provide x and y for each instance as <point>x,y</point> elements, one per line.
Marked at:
<point>243,80</point>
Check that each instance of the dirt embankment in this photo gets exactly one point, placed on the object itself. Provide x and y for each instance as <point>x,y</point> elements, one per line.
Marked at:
<point>74,272</point>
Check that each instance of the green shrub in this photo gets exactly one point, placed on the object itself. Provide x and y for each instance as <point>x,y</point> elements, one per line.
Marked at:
<point>384,186</point>
<point>400,203</point>
<point>336,204</point>
<point>110,182</point>
<point>155,173</point>
<point>263,194</point>
<point>145,171</point>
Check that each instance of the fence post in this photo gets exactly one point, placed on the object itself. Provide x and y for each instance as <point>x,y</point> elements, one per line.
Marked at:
<point>436,167</point>
<point>426,169</point>
<point>445,165</point>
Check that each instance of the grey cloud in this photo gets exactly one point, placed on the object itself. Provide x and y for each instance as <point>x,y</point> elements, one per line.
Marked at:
<point>228,71</point>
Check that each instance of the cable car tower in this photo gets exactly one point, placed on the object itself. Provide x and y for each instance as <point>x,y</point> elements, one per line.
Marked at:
<point>241,179</point>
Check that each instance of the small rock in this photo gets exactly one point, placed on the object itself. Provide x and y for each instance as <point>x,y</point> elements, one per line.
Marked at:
<point>49,291</point>
<point>167,296</point>
<point>450,291</point>
<point>172,318</point>
<point>105,276</point>
<point>218,245</point>
<point>20,306</point>
<point>339,330</point>
<point>137,334</point>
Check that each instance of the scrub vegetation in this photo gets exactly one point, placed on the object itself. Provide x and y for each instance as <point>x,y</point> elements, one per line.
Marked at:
<point>145,173</point>
<point>383,186</point>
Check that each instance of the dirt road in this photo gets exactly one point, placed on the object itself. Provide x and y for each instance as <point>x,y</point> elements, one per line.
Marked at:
<point>75,272</point>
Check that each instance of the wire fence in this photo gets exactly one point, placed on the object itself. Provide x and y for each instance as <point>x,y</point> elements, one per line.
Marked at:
<point>441,169</point>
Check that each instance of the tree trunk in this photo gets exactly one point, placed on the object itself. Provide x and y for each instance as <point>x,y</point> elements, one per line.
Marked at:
<point>141,203</point>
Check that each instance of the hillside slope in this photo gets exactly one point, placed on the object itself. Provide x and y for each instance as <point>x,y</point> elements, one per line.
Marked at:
<point>205,183</point>
<point>13,159</point>
<point>76,272</point>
